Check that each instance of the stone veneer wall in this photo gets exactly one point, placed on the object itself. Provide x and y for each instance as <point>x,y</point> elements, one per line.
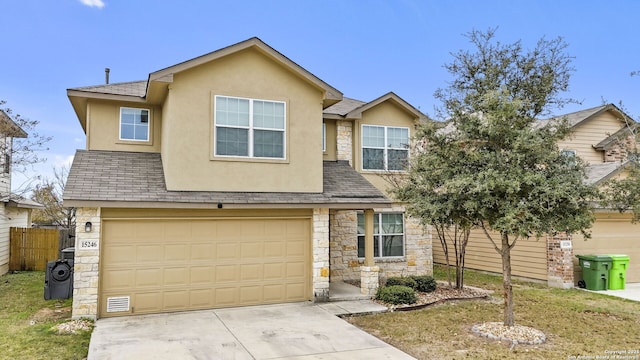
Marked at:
<point>343,249</point>
<point>320,254</point>
<point>86,264</point>
<point>344,134</point>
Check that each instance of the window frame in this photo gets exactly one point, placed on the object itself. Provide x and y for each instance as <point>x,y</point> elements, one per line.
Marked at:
<point>324,137</point>
<point>380,234</point>
<point>120,138</point>
<point>250,128</point>
<point>386,147</point>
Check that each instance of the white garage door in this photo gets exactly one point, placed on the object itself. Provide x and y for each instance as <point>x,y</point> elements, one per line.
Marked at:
<point>156,265</point>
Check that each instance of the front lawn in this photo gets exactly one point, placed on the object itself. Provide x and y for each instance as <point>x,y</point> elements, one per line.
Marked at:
<point>26,321</point>
<point>575,322</point>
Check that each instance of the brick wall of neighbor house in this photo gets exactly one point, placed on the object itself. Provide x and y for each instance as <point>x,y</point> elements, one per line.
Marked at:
<point>321,254</point>
<point>618,151</point>
<point>85,281</point>
<point>559,261</point>
<point>343,249</point>
<point>344,133</point>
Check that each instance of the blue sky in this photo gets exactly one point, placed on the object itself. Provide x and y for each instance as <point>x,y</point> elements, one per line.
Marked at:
<point>363,48</point>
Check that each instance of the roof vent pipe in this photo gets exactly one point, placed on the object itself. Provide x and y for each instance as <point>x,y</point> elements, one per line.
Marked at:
<point>106,75</point>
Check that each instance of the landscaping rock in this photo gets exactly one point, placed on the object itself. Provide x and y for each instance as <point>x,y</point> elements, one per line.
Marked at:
<point>516,334</point>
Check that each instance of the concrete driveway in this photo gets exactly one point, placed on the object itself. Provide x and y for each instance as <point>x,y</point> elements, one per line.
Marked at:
<point>286,331</point>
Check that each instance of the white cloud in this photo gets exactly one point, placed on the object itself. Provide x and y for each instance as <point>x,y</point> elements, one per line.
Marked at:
<point>93,3</point>
<point>63,161</point>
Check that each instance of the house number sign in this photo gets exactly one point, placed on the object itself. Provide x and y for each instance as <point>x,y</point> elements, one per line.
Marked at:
<point>88,244</point>
<point>565,244</point>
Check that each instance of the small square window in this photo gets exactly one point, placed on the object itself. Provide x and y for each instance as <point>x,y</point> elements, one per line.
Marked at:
<point>134,124</point>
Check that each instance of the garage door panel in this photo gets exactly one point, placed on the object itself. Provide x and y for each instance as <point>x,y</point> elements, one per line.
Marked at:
<point>118,279</point>
<point>226,296</point>
<point>177,253</point>
<point>250,272</point>
<point>273,271</point>
<point>201,298</point>
<point>226,251</point>
<point>201,275</point>
<point>201,264</point>
<point>274,249</point>
<point>148,277</point>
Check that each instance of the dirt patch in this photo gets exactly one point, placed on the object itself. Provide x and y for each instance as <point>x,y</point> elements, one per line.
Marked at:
<point>47,314</point>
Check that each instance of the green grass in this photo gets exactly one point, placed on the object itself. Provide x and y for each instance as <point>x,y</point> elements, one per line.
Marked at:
<point>25,328</point>
<point>575,322</point>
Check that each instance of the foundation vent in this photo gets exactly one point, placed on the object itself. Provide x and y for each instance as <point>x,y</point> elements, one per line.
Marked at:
<point>118,304</point>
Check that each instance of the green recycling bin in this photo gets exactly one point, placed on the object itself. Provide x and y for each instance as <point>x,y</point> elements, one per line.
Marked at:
<point>595,271</point>
<point>618,272</point>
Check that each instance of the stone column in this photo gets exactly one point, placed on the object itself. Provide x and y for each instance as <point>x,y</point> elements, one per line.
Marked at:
<point>344,131</point>
<point>86,264</point>
<point>560,261</point>
<point>369,280</point>
<point>320,254</point>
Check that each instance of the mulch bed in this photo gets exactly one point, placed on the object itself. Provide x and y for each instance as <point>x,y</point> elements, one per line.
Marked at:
<point>442,293</point>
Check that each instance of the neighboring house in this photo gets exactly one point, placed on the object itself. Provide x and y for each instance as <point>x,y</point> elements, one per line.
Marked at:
<point>15,211</point>
<point>235,178</point>
<point>597,138</point>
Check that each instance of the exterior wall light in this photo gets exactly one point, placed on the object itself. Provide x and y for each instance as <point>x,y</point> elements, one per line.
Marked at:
<point>87,226</point>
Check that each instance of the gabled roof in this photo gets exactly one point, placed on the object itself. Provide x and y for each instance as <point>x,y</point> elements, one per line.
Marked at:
<point>332,95</point>
<point>341,109</point>
<point>18,201</point>
<point>155,87</point>
<point>132,179</point>
<point>616,137</point>
<point>578,117</point>
<point>598,173</point>
<point>8,127</point>
<point>353,109</point>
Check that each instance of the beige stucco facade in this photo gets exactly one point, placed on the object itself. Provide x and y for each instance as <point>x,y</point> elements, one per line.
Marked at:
<point>143,256</point>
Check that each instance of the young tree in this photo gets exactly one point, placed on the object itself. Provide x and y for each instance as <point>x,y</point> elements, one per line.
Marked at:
<point>434,197</point>
<point>501,169</point>
<point>49,193</point>
<point>25,149</point>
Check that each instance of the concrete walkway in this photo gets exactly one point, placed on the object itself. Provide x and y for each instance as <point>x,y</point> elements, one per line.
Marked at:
<point>298,331</point>
<point>631,292</point>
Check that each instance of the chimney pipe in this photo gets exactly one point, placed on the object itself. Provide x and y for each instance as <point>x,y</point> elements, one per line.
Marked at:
<point>106,75</point>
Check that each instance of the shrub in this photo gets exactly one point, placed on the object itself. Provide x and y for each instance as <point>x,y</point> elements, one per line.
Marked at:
<point>424,283</point>
<point>396,294</point>
<point>404,281</point>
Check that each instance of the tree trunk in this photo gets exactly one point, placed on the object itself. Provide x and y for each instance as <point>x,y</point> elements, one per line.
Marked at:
<point>506,280</point>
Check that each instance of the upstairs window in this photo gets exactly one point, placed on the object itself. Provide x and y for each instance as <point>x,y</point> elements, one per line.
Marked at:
<point>249,127</point>
<point>384,147</point>
<point>388,235</point>
<point>134,124</point>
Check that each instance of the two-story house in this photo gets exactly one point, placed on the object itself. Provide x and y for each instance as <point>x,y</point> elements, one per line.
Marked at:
<point>15,210</point>
<point>600,137</point>
<point>235,178</point>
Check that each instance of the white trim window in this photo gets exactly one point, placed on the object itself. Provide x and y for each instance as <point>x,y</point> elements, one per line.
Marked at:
<point>388,235</point>
<point>249,128</point>
<point>134,124</point>
<point>384,147</point>
<point>324,137</point>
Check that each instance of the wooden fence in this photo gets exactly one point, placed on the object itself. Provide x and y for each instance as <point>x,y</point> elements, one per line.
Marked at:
<point>32,248</point>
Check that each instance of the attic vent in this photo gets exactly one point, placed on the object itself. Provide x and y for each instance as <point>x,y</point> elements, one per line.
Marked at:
<point>118,304</point>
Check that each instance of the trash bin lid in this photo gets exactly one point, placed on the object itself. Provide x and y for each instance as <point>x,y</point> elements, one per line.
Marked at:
<point>69,249</point>
<point>619,257</point>
<point>596,258</point>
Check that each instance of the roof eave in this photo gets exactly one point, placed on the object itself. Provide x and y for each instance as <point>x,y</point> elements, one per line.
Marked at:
<point>351,205</point>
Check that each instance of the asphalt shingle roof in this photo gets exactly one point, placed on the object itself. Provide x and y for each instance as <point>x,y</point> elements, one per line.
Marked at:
<point>598,172</point>
<point>131,88</point>
<point>343,107</point>
<point>139,177</point>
